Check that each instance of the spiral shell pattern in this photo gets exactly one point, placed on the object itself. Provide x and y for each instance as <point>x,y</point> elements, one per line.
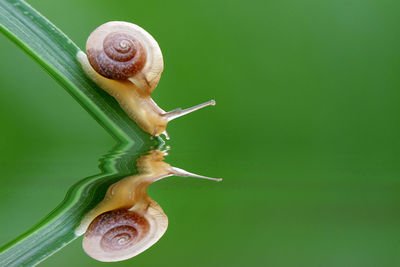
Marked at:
<point>119,56</point>
<point>114,231</point>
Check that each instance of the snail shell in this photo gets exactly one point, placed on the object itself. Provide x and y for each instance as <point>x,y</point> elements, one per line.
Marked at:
<point>124,51</point>
<point>118,57</point>
<point>123,233</point>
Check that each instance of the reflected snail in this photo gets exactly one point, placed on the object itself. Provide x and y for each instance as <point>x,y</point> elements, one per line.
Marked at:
<point>125,61</point>
<point>127,221</point>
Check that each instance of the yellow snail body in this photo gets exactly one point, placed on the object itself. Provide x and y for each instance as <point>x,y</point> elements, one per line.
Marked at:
<point>125,61</point>
<point>127,221</point>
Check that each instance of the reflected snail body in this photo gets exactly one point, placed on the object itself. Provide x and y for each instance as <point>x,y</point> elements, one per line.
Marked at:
<point>127,221</point>
<point>125,61</point>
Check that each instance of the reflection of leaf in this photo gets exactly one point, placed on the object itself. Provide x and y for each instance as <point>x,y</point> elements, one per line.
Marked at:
<point>56,54</point>
<point>57,229</point>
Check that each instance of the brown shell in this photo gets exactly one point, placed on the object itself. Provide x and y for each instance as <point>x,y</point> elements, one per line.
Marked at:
<point>114,231</point>
<point>125,52</point>
<point>120,56</point>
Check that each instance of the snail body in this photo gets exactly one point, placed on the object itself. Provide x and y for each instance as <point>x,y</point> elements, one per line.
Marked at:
<point>127,221</point>
<point>125,61</point>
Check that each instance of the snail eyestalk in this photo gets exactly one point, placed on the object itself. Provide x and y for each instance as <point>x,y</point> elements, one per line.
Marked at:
<point>181,112</point>
<point>183,173</point>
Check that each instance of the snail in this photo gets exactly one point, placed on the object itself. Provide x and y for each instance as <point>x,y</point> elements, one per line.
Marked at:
<point>125,61</point>
<point>127,221</point>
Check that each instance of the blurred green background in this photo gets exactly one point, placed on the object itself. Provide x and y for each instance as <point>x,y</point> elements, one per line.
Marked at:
<point>305,132</point>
